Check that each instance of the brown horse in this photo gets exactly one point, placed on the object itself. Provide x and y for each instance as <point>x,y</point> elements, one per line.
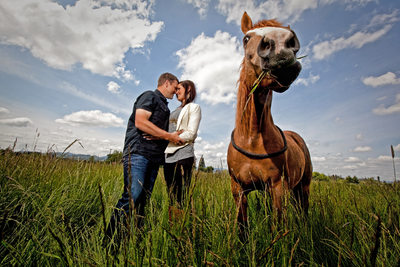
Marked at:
<point>260,155</point>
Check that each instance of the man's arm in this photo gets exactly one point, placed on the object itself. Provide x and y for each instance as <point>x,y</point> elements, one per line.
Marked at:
<point>143,123</point>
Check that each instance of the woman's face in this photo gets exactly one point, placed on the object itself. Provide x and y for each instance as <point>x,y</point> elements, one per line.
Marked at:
<point>180,93</point>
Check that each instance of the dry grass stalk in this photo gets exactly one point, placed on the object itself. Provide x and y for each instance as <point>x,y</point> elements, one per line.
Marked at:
<point>103,209</point>
<point>75,141</point>
<point>271,245</point>
<point>62,246</point>
<point>378,233</point>
<point>292,251</point>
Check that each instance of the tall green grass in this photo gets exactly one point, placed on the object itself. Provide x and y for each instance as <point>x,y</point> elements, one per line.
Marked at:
<point>51,214</point>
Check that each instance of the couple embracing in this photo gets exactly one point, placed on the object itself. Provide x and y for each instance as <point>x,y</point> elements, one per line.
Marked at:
<point>156,136</point>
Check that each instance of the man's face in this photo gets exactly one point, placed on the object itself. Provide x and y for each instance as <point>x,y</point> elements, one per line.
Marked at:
<point>171,89</point>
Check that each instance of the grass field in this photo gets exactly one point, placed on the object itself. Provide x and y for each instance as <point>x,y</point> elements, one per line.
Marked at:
<point>51,214</point>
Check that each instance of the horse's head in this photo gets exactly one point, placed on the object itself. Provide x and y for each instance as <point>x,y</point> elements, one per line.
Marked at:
<point>272,48</point>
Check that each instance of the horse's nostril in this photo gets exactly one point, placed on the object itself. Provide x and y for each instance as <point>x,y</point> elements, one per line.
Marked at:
<point>264,47</point>
<point>293,43</point>
<point>290,43</point>
<point>266,43</point>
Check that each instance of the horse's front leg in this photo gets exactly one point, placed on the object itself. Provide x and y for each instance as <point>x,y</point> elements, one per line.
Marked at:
<point>278,191</point>
<point>241,204</point>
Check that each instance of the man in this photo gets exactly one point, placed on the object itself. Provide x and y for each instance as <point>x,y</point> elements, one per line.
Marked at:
<point>142,156</point>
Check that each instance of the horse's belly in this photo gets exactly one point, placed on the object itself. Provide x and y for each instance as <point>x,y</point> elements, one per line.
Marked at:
<point>254,173</point>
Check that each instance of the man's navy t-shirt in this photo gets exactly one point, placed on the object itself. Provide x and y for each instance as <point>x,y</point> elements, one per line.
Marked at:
<point>156,103</point>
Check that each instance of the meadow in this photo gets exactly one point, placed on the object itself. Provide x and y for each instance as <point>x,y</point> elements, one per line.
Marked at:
<point>53,212</point>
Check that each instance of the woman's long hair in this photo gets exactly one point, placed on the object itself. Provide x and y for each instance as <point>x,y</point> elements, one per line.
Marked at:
<point>190,91</point>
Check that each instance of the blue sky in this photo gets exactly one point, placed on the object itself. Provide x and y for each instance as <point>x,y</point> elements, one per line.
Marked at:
<point>72,70</point>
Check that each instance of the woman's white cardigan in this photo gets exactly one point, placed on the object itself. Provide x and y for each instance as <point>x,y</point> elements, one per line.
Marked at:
<point>188,121</point>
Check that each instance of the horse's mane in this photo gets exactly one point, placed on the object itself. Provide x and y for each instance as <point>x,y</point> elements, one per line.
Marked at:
<point>243,117</point>
<point>267,23</point>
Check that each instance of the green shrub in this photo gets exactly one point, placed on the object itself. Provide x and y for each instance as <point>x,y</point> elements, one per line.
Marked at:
<point>320,176</point>
<point>353,180</point>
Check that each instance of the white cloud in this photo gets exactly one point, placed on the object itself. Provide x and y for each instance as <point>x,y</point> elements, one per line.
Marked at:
<point>326,48</point>
<point>385,79</point>
<point>352,4</point>
<point>62,130</point>
<point>359,137</point>
<point>362,164</point>
<point>362,149</point>
<point>95,144</point>
<point>113,87</point>
<point>220,155</point>
<point>307,81</point>
<point>71,89</point>
<point>382,110</point>
<point>384,158</point>
<point>93,33</point>
<point>382,22</point>
<point>201,5</point>
<point>16,122</point>
<point>285,10</point>
<point>92,118</point>
<point>121,73</point>
<point>281,9</point>
<point>352,159</point>
<point>384,18</point>
<point>318,159</point>
<point>397,148</point>
<point>213,63</point>
<point>350,167</point>
<point>344,166</point>
<point>4,111</point>
<point>214,153</point>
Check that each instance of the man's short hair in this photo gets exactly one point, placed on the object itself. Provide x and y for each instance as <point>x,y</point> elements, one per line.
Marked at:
<point>166,77</point>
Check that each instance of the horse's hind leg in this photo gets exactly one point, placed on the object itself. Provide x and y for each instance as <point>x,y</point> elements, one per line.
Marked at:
<point>241,203</point>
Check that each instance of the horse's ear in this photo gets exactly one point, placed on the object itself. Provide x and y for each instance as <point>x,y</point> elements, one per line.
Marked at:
<point>247,24</point>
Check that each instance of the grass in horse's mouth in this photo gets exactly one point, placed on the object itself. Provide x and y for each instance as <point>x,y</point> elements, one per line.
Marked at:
<point>301,57</point>
<point>255,85</point>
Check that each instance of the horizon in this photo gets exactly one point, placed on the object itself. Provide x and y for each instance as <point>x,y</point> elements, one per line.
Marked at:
<point>87,157</point>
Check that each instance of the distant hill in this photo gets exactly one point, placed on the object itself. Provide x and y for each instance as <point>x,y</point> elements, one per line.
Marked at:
<point>80,156</point>
<point>59,154</point>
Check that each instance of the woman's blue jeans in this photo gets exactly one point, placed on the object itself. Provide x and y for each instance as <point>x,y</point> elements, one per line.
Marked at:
<point>139,177</point>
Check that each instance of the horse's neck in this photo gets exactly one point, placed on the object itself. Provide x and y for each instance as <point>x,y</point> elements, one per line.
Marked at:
<point>251,126</point>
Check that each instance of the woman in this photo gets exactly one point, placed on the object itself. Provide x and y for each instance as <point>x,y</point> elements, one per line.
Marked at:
<point>179,159</point>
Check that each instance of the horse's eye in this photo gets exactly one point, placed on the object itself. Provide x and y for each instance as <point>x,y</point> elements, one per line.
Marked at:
<point>246,40</point>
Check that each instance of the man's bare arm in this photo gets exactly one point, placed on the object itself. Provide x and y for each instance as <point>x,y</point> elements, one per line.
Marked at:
<point>143,123</point>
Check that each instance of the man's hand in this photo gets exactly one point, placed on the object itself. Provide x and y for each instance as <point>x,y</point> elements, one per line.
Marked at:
<point>152,132</point>
<point>150,137</point>
<point>174,138</point>
<point>171,138</point>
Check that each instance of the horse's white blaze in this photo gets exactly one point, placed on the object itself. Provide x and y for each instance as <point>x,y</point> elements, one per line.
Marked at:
<point>266,30</point>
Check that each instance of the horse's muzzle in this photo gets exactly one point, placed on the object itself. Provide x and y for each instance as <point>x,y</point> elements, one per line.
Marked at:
<point>285,76</point>
<point>280,62</point>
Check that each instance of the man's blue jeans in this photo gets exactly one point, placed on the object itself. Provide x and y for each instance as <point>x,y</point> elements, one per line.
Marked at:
<point>139,177</point>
